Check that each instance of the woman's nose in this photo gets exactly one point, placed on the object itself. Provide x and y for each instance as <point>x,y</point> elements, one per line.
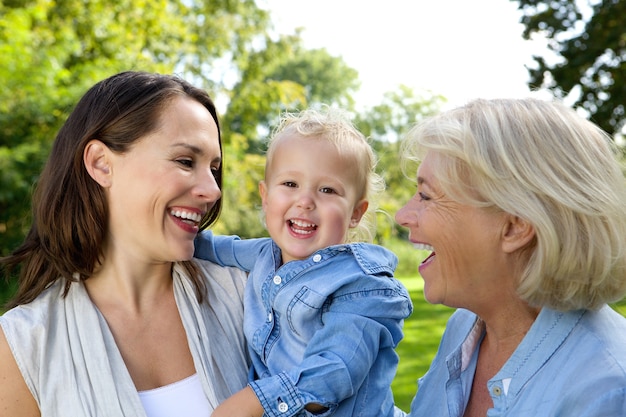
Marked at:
<point>207,187</point>
<point>404,215</point>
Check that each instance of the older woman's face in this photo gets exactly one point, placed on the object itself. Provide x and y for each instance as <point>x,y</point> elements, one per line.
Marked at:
<point>466,259</point>
<point>164,184</point>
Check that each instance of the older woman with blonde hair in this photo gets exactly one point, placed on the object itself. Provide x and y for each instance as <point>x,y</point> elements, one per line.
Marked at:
<point>521,203</point>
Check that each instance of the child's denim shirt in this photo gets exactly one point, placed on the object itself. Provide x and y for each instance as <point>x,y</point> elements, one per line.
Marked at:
<point>321,330</point>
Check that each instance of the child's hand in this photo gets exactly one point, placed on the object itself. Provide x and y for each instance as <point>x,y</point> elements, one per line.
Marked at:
<point>242,404</point>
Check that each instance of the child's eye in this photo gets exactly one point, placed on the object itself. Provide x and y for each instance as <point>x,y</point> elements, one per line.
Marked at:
<point>327,190</point>
<point>290,184</point>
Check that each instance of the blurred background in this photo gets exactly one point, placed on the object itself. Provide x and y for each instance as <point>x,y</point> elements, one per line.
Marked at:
<point>389,63</point>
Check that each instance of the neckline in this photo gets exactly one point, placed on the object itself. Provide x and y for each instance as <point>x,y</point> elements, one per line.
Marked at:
<point>174,385</point>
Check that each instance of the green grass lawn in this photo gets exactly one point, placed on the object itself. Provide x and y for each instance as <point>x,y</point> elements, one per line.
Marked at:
<point>422,333</point>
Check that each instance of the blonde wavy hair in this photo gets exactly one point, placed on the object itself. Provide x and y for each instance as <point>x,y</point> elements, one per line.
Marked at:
<point>333,125</point>
<point>542,162</point>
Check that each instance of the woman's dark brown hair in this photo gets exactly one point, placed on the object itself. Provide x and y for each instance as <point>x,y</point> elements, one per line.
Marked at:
<point>70,216</point>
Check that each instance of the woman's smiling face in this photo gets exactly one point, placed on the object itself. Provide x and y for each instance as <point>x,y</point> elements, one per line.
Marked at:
<point>165,183</point>
<point>464,265</point>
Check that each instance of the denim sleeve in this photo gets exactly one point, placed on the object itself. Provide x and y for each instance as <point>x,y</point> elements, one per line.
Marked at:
<point>228,250</point>
<point>360,328</point>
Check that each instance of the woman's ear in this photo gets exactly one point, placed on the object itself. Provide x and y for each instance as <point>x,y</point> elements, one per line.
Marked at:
<point>517,234</point>
<point>359,210</point>
<point>96,158</point>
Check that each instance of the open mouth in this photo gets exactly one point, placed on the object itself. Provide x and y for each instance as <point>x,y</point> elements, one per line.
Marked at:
<point>424,246</point>
<point>301,227</point>
<point>428,258</point>
<point>188,217</point>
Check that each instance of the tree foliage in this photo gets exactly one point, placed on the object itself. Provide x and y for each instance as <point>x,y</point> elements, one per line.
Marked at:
<point>585,61</point>
<point>284,76</point>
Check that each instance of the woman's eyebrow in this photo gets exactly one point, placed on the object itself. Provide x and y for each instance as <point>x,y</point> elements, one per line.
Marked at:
<point>195,149</point>
<point>192,148</point>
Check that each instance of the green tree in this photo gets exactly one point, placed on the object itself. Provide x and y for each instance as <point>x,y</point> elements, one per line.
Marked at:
<point>585,60</point>
<point>284,76</point>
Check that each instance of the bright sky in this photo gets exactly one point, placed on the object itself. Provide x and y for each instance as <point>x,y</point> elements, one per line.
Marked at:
<point>460,49</point>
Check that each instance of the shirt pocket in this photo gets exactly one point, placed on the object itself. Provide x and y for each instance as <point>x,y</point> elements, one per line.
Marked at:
<point>304,313</point>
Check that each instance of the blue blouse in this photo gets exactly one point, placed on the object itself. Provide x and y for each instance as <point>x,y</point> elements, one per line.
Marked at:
<point>568,364</point>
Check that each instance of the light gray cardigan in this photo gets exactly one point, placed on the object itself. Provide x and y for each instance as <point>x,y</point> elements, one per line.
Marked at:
<point>73,368</point>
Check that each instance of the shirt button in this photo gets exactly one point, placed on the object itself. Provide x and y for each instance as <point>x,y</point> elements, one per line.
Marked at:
<point>497,391</point>
<point>270,317</point>
<point>283,407</point>
<point>277,279</point>
<point>317,257</point>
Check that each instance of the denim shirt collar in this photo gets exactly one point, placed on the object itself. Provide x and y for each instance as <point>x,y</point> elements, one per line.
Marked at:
<point>545,336</point>
<point>372,259</point>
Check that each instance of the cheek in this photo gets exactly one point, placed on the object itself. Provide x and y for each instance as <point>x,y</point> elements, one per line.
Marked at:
<point>274,202</point>
<point>342,214</point>
<point>275,209</point>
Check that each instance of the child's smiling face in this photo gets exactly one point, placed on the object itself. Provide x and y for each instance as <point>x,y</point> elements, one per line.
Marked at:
<point>310,196</point>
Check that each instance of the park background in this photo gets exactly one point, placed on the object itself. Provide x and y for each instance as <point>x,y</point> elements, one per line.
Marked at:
<point>390,64</point>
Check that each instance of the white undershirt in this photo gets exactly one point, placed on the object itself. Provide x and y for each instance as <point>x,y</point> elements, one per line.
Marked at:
<point>181,398</point>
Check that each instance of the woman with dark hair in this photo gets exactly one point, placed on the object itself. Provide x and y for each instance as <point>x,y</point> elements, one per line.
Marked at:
<point>112,316</point>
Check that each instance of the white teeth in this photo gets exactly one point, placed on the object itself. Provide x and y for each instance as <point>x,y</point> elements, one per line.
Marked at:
<point>423,246</point>
<point>187,215</point>
<point>300,223</point>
